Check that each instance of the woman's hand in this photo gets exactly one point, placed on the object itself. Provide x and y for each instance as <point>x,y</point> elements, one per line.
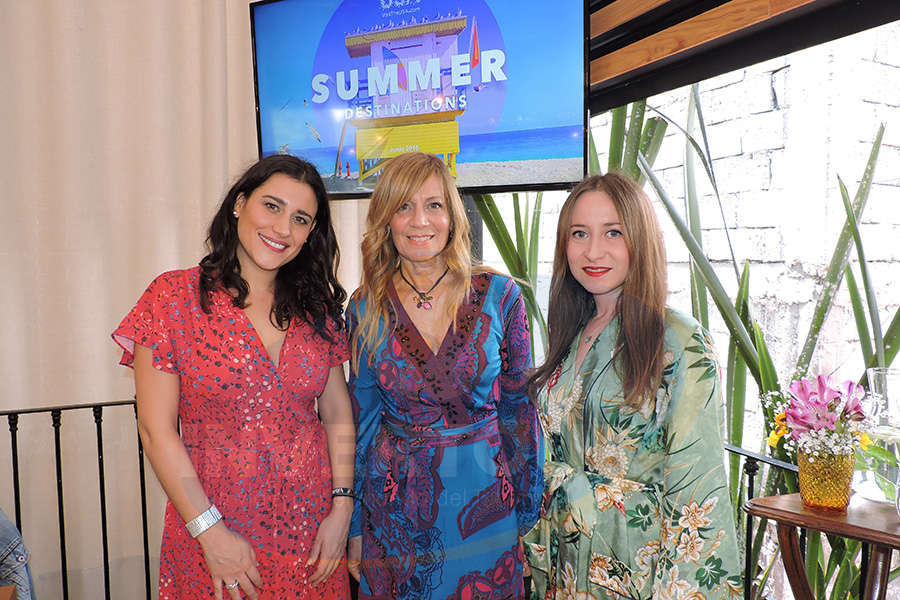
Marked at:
<point>230,558</point>
<point>331,539</point>
<point>354,556</point>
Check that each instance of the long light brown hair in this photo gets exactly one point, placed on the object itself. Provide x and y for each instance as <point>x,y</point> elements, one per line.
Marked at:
<point>400,179</point>
<point>640,306</point>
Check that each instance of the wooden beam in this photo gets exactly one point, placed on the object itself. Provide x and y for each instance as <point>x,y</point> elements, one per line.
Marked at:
<point>713,25</point>
<point>620,12</point>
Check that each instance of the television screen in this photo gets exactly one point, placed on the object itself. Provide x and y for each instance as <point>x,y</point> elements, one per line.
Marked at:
<point>496,88</point>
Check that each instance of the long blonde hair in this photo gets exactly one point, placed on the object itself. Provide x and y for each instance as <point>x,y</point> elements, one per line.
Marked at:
<point>641,305</point>
<point>400,179</point>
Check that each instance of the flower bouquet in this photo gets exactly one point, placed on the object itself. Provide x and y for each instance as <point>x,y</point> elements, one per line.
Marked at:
<point>824,422</point>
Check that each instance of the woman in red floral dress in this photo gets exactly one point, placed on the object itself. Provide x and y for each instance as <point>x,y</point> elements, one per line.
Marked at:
<point>238,349</point>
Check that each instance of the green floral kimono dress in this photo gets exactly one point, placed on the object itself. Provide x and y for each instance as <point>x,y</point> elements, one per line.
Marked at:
<point>636,502</point>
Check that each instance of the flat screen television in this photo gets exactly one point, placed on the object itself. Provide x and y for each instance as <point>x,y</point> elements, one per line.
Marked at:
<point>496,88</point>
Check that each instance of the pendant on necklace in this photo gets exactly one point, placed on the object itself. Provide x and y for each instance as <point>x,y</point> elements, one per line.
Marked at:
<point>423,299</point>
<point>424,302</point>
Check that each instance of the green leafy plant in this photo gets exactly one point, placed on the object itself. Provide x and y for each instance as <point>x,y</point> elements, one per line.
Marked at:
<point>634,143</point>
<point>748,352</point>
<point>520,256</point>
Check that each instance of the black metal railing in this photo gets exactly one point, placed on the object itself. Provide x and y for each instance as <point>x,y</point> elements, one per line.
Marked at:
<point>56,414</point>
<point>751,469</point>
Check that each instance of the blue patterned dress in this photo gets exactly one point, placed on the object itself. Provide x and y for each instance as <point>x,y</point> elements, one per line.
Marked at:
<point>449,452</point>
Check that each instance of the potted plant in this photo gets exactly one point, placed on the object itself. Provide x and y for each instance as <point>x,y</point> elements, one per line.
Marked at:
<point>824,422</point>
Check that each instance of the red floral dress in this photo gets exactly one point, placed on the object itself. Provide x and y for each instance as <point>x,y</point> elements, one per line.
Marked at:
<point>251,430</point>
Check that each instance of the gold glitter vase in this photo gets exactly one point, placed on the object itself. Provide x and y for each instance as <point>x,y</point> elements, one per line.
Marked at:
<point>825,480</point>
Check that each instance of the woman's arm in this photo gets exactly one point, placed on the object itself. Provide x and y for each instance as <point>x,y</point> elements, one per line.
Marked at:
<point>366,404</point>
<point>229,557</point>
<point>697,539</point>
<point>520,430</point>
<point>337,418</point>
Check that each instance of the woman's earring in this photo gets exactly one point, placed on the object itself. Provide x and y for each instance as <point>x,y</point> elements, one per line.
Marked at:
<point>235,213</point>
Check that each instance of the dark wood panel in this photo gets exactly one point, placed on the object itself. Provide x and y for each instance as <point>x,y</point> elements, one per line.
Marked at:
<point>816,23</point>
<point>703,29</point>
<point>633,21</point>
<point>619,13</point>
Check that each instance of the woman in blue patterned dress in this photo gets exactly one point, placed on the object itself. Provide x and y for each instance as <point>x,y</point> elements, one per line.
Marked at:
<point>449,451</point>
<point>636,504</point>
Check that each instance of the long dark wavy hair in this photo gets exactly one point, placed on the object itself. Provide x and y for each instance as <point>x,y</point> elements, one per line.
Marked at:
<point>305,288</point>
<point>640,306</point>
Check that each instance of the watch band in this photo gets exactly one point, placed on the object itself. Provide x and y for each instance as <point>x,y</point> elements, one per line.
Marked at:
<point>203,521</point>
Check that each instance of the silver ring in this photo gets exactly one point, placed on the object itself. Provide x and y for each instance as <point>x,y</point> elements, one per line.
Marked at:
<point>231,586</point>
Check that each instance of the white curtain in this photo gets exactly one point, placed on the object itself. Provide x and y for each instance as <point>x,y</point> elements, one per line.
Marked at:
<point>122,123</point>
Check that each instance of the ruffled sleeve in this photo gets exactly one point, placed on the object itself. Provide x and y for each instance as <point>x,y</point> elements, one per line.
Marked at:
<point>520,432</point>
<point>340,345</point>
<point>153,321</point>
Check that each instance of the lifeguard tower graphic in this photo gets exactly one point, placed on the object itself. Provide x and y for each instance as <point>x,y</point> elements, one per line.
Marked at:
<point>414,115</point>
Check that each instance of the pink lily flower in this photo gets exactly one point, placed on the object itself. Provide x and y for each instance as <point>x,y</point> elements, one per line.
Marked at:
<point>812,408</point>
<point>854,393</point>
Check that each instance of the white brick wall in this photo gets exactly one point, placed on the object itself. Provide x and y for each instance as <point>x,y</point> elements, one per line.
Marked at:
<point>780,133</point>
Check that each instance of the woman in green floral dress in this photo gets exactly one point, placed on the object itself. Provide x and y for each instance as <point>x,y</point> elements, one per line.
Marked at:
<point>636,501</point>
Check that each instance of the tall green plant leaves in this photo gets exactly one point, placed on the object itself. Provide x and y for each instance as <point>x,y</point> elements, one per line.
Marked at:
<point>640,137</point>
<point>519,258</point>
<point>533,240</point>
<point>633,139</point>
<point>767,374</point>
<point>751,348</point>
<point>593,160</point>
<point>699,300</point>
<point>651,141</point>
<point>720,298</point>
<point>736,391</point>
<point>864,272</point>
<point>838,261</point>
<point>616,139</point>
<point>815,571</point>
<point>705,157</point>
<point>891,341</point>
<point>859,315</point>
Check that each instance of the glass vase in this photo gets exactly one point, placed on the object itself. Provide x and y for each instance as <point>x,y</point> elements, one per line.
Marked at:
<point>825,480</point>
<point>880,481</point>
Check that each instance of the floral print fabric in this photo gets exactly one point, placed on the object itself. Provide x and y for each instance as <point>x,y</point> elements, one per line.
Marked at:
<point>251,430</point>
<point>636,503</point>
<point>448,452</point>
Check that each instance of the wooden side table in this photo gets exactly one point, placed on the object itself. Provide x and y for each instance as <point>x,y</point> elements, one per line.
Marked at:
<point>866,521</point>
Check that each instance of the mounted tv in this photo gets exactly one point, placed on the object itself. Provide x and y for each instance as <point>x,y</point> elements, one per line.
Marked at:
<point>496,88</point>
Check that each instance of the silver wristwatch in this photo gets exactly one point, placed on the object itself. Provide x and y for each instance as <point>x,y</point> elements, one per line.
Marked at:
<point>203,521</point>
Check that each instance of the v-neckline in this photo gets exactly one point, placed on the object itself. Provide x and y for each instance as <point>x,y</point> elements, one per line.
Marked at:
<point>260,347</point>
<point>396,297</point>
<point>603,333</point>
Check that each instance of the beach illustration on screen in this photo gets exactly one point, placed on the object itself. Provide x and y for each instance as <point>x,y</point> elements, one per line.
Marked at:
<point>384,77</point>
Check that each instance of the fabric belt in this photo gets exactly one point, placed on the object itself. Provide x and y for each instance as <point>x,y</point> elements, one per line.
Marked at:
<point>420,435</point>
